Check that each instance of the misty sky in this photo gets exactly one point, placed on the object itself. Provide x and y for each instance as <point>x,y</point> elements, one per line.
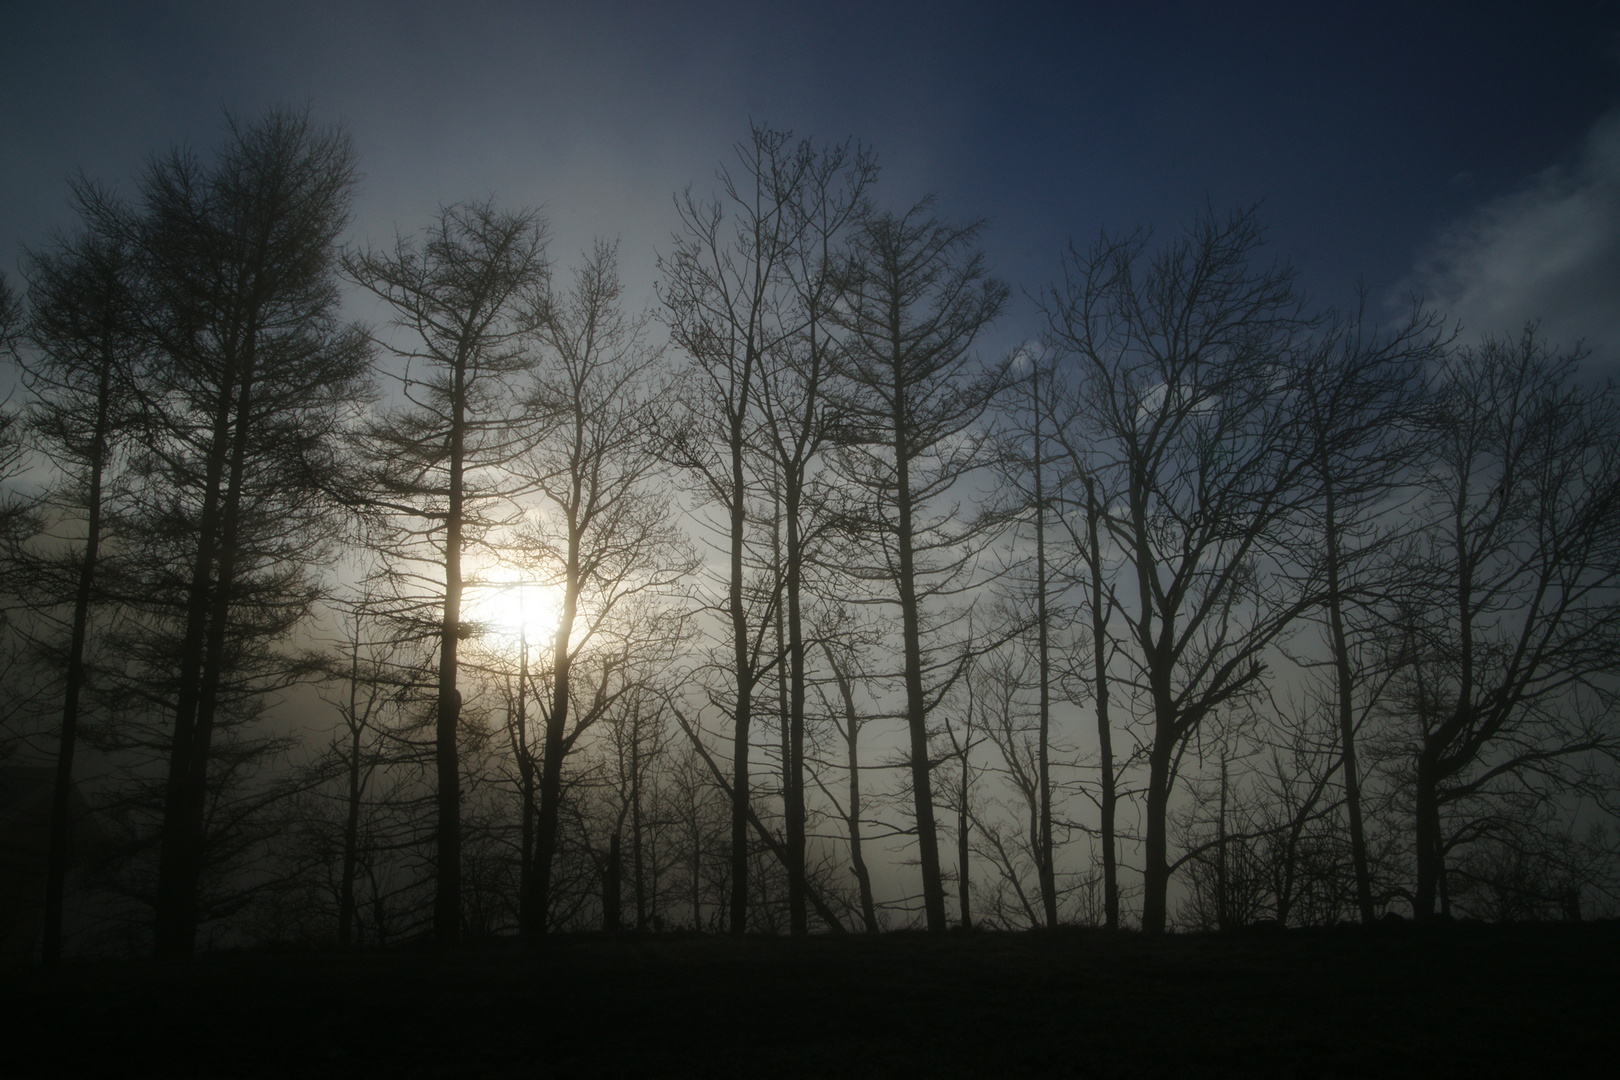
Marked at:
<point>1470,152</point>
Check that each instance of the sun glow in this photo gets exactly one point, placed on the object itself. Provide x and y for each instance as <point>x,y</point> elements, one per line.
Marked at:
<point>512,608</point>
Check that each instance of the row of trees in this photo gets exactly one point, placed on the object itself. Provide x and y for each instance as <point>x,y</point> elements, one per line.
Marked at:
<point>1368,573</point>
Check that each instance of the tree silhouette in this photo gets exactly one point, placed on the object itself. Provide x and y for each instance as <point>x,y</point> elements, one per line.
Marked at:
<point>1504,649</point>
<point>84,329</point>
<point>1183,355</point>
<point>468,299</point>
<point>729,304</point>
<point>918,297</point>
<point>238,266</point>
<point>602,535</point>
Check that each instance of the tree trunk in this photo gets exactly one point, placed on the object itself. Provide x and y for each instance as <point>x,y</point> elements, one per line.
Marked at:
<point>611,876</point>
<point>1346,708</point>
<point>1105,734</point>
<point>696,881</point>
<point>963,823</point>
<point>351,818</point>
<point>531,919</point>
<point>1043,848</point>
<point>916,709</point>
<point>852,819</point>
<point>745,689</point>
<point>551,759</point>
<point>1155,867</point>
<point>168,930</point>
<point>184,817</point>
<point>1430,853</point>
<point>793,796</point>
<point>61,836</point>
<point>635,826</point>
<point>1161,753</point>
<point>1223,906</point>
<point>447,760</point>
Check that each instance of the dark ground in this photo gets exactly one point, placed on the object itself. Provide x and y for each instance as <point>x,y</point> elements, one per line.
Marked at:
<point>1452,1001</point>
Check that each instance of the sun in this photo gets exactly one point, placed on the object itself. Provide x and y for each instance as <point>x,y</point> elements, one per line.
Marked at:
<point>512,607</point>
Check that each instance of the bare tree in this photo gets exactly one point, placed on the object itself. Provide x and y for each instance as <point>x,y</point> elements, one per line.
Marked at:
<point>1503,695</point>
<point>1030,460</point>
<point>730,303</point>
<point>1081,497</point>
<point>372,678</point>
<point>795,429</point>
<point>1184,357</point>
<point>603,534</point>
<point>467,300</point>
<point>843,648</point>
<point>917,299</point>
<point>1360,404</point>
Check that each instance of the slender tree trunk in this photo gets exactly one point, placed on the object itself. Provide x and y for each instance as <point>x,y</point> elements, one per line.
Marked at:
<point>1430,857</point>
<point>168,930</point>
<point>61,836</point>
<point>1346,708</point>
<point>964,823</point>
<point>551,759</point>
<point>1155,867</point>
<point>1043,854</point>
<point>351,818</point>
<point>530,919</point>
<point>916,705</point>
<point>852,819</point>
<point>527,909</point>
<point>745,689</point>
<point>1223,906</point>
<point>611,878</point>
<point>635,826</point>
<point>1431,868</point>
<point>1105,733</point>
<point>1286,895</point>
<point>1161,754</point>
<point>696,881</point>
<point>447,761</point>
<point>185,818</point>
<point>794,795</point>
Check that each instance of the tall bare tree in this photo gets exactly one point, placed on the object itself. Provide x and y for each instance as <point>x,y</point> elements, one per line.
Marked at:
<point>1083,500</point>
<point>1029,464</point>
<point>918,297</point>
<point>729,303</point>
<point>602,536</point>
<point>795,428</point>
<point>467,300</point>
<point>1184,358</point>
<point>1504,694</point>
<point>1360,404</point>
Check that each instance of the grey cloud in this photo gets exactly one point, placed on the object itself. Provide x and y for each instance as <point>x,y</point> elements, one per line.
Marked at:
<point>1550,251</point>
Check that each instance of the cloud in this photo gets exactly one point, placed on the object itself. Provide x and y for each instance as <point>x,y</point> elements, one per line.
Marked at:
<point>1549,251</point>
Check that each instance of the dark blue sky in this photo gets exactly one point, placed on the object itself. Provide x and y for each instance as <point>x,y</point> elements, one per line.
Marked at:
<point>1469,151</point>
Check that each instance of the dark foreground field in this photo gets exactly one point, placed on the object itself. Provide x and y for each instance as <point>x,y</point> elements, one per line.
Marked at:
<point>1457,1001</point>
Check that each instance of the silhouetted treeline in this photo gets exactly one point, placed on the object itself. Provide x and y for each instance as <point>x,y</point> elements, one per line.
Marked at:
<point>783,606</point>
